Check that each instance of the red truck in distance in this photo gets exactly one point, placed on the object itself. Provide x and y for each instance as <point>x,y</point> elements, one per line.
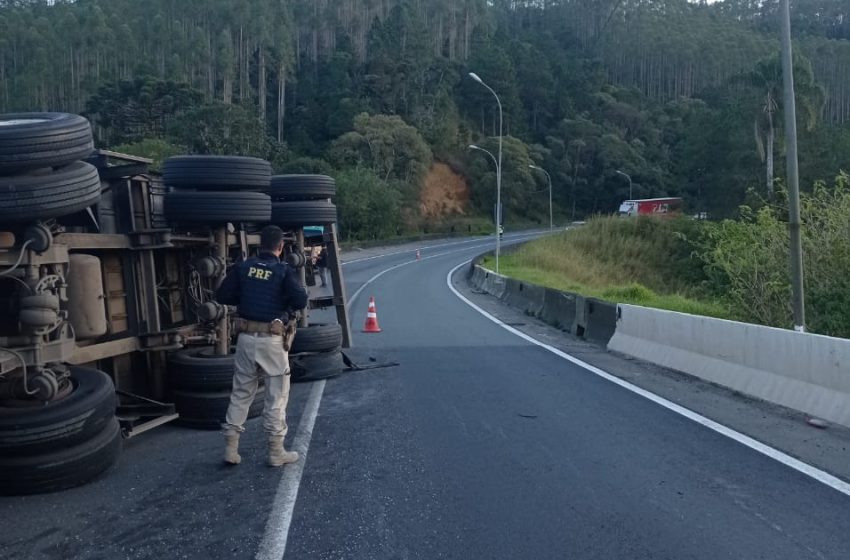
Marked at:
<point>651,207</point>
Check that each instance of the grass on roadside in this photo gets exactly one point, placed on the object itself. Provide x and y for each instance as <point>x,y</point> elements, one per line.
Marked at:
<point>641,262</point>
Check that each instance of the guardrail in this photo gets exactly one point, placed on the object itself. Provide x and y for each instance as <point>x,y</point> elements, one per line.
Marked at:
<point>806,372</point>
<point>589,318</point>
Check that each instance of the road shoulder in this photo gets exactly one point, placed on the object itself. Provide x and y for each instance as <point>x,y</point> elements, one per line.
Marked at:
<point>779,427</point>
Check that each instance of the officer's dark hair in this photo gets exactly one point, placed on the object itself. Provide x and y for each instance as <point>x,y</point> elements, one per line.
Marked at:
<point>270,238</point>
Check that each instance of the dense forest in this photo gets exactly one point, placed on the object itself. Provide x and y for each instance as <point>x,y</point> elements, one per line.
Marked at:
<point>684,97</point>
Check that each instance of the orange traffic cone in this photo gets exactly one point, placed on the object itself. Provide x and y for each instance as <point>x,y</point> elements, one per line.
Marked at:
<point>372,318</point>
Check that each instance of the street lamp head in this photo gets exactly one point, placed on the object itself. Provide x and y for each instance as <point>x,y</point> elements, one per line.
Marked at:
<point>473,147</point>
<point>534,167</point>
<point>475,77</point>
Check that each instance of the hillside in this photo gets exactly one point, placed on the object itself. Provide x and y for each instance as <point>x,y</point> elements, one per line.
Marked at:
<point>679,95</point>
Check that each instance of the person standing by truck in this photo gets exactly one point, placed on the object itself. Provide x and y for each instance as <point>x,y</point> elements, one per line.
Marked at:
<point>322,265</point>
<point>268,293</point>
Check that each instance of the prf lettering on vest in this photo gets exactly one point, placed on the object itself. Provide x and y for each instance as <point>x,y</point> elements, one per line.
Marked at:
<point>259,273</point>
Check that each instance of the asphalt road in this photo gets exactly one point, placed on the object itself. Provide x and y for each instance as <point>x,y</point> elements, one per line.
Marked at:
<point>482,445</point>
<point>479,445</point>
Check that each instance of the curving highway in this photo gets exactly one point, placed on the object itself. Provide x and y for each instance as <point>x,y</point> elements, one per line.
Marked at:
<point>480,444</point>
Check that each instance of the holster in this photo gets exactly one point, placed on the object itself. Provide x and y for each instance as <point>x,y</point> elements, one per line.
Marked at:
<point>289,334</point>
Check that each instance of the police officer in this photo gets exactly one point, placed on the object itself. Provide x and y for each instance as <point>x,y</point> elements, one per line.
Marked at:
<point>267,292</point>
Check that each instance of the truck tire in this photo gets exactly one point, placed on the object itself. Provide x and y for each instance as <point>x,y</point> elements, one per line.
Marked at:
<point>300,213</point>
<point>64,468</point>
<point>35,140</point>
<point>301,187</point>
<point>317,337</point>
<point>217,172</point>
<point>314,367</point>
<point>206,411</point>
<point>63,423</point>
<point>216,208</point>
<point>52,194</point>
<point>200,369</point>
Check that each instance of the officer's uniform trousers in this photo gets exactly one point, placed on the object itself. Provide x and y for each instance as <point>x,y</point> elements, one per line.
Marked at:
<point>259,354</point>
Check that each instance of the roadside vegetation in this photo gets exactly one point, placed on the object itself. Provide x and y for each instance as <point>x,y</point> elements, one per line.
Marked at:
<point>683,96</point>
<point>643,261</point>
<point>733,269</point>
<point>746,260</point>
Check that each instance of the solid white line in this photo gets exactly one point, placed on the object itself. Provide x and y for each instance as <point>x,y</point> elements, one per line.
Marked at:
<point>429,257</point>
<point>273,545</point>
<point>477,239</point>
<point>412,250</point>
<point>773,453</point>
<point>276,534</point>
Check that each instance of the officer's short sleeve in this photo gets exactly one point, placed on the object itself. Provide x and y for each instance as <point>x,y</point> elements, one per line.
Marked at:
<point>294,294</point>
<point>229,291</point>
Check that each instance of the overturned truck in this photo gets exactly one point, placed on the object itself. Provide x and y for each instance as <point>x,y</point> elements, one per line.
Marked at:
<point>108,324</point>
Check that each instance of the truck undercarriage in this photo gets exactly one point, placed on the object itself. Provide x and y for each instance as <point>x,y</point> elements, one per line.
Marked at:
<point>108,324</point>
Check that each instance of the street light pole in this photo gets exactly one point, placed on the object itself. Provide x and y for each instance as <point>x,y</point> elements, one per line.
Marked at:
<point>475,77</point>
<point>549,177</point>
<point>797,285</point>
<point>627,176</point>
<point>496,163</point>
<point>474,147</point>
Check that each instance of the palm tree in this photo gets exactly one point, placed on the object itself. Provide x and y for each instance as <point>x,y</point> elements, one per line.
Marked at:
<point>810,98</point>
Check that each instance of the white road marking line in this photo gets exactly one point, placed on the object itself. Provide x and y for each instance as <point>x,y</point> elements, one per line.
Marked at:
<point>429,257</point>
<point>492,241</point>
<point>276,534</point>
<point>273,545</point>
<point>775,454</point>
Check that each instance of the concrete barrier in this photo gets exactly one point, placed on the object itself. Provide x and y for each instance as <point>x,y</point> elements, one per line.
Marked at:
<point>494,284</point>
<point>806,372</point>
<point>524,296</point>
<point>600,320</point>
<point>591,319</point>
<point>477,276</point>
<point>559,309</point>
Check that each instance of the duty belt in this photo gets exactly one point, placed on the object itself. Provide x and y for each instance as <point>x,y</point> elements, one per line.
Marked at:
<point>248,326</point>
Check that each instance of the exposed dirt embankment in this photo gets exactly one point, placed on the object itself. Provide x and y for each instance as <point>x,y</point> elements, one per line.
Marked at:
<point>444,193</point>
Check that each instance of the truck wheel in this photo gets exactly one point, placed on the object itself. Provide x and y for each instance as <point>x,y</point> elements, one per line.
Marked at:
<point>313,367</point>
<point>63,468</point>
<point>217,172</point>
<point>49,194</point>
<point>206,411</point>
<point>62,423</point>
<point>200,369</point>
<point>300,213</point>
<point>316,338</point>
<point>35,140</point>
<point>217,207</point>
<point>301,187</point>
